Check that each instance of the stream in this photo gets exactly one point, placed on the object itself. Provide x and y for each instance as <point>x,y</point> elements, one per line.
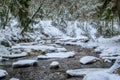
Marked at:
<point>43,72</point>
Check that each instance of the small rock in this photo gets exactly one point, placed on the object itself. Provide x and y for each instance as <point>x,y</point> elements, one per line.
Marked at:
<point>107,60</point>
<point>3,51</point>
<point>5,43</point>
<point>3,73</point>
<point>3,59</point>
<point>14,79</point>
<point>54,65</point>
<point>88,59</point>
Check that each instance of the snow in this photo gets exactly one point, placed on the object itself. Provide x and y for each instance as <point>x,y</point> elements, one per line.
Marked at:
<point>101,76</point>
<point>3,73</point>
<point>16,55</point>
<point>93,74</point>
<point>50,30</point>
<point>57,55</point>
<point>109,47</point>
<point>110,58</point>
<point>54,63</point>
<point>14,79</point>
<point>38,47</point>
<point>79,41</point>
<point>70,39</point>
<point>22,63</point>
<point>83,72</point>
<point>3,59</point>
<point>115,66</point>
<point>75,35</point>
<point>3,51</point>
<point>88,59</point>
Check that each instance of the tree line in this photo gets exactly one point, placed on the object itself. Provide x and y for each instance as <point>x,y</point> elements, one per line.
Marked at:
<point>61,11</point>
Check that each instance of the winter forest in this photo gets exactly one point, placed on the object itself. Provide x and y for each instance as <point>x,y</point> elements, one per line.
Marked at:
<point>59,39</point>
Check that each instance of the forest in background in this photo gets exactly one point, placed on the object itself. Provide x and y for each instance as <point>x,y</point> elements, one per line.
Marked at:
<point>102,14</point>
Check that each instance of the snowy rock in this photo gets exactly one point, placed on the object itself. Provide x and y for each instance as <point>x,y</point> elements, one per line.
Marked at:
<point>6,43</point>
<point>57,55</point>
<point>44,48</point>
<point>16,55</point>
<point>101,76</point>
<point>88,59</point>
<point>83,72</point>
<point>14,79</point>
<point>3,51</point>
<point>109,58</point>
<point>3,59</point>
<point>3,73</point>
<point>61,50</point>
<point>24,63</point>
<point>54,65</point>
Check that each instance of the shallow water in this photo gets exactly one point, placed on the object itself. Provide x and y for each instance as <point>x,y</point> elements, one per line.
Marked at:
<point>43,72</point>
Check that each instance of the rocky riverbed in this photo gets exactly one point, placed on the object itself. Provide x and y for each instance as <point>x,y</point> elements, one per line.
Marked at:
<point>42,70</point>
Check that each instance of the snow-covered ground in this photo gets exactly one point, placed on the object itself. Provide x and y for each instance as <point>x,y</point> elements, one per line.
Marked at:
<point>101,76</point>
<point>109,47</point>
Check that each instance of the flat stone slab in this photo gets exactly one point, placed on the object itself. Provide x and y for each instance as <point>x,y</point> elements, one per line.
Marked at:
<point>57,55</point>
<point>83,72</point>
<point>14,55</point>
<point>45,48</point>
<point>3,73</point>
<point>88,59</point>
<point>24,63</point>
